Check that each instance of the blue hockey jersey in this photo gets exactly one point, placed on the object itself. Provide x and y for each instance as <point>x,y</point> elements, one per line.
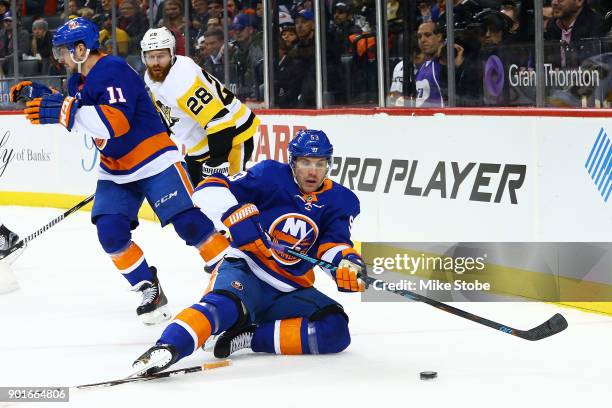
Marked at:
<point>117,112</point>
<point>317,224</point>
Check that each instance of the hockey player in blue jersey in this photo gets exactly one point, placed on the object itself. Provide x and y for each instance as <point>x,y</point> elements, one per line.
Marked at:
<point>108,101</point>
<point>260,298</point>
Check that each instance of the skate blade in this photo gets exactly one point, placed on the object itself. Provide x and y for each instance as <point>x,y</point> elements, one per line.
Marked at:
<point>159,315</point>
<point>210,342</point>
<point>157,357</point>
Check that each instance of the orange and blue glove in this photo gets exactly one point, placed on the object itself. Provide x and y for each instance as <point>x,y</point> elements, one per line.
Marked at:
<point>54,108</point>
<point>347,274</point>
<point>26,91</point>
<point>242,220</point>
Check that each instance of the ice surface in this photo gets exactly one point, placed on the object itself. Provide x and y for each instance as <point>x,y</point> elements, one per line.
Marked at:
<point>74,322</point>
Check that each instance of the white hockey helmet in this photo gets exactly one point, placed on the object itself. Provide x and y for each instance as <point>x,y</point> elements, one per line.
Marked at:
<point>157,39</point>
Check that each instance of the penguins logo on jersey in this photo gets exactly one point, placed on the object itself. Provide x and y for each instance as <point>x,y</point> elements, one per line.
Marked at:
<point>293,230</point>
<point>165,113</point>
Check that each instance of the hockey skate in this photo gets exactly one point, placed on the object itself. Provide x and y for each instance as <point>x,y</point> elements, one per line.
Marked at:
<point>234,340</point>
<point>152,309</point>
<point>155,359</point>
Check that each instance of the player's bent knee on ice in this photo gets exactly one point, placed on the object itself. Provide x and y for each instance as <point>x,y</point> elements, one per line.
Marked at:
<point>332,333</point>
<point>114,232</point>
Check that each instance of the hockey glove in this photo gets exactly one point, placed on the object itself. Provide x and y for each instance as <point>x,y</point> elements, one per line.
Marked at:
<point>242,220</point>
<point>25,91</point>
<point>348,272</point>
<point>209,170</point>
<point>55,108</point>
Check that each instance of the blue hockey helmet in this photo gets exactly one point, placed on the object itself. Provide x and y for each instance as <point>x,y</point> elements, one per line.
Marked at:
<point>310,143</point>
<point>76,30</point>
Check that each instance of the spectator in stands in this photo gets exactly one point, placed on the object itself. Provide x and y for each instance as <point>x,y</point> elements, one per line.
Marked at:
<point>510,9</point>
<point>231,8</point>
<point>41,43</point>
<point>104,7</point>
<point>106,36</point>
<point>573,21</point>
<point>173,19</point>
<point>289,35</point>
<point>304,54</point>
<point>6,42</point>
<point>172,16</point>
<point>427,10</point>
<point>213,51</point>
<point>248,57</point>
<point>259,12</point>
<point>215,8</point>
<point>214,23</point>
<point>133,22</point>
<point>73,8</point>
<point>199,18</point>
<point>4,6</point>
<point>286,88</point>
<point>495,27</point>
<point>429,92</point>
<point>341,27</point>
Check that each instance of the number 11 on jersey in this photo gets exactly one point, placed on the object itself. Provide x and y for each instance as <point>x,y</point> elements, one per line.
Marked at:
<point>111,95</point>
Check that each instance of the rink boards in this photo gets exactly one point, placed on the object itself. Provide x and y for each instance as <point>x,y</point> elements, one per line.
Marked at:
<point>468,176</point>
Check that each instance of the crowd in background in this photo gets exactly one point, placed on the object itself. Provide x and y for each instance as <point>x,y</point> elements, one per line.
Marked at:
<point>416,39</point>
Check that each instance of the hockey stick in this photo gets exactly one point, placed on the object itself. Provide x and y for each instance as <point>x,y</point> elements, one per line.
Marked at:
<point>23,242</point>
<point>554,325</point>
<point>165,374</point>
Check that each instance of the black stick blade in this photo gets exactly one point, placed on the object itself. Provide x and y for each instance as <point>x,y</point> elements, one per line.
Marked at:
<point>554,325</point>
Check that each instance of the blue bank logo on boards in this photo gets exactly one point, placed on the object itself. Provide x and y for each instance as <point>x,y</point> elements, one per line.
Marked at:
<point>599,164</point>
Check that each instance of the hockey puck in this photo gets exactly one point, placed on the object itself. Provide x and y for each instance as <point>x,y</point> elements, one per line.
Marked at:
<point>428,375</point>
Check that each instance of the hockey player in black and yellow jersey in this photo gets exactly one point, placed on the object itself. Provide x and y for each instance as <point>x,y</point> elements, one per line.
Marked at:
<point>214,126</point>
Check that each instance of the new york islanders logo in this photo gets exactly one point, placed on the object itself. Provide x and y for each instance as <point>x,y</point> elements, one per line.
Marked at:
<point>100,143</point>
<point>296,231</point>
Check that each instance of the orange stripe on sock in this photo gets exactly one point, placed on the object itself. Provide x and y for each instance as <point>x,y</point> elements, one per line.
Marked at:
<point>127,258</point>
<point>290,337</point>
<point>185,178</point>
<point>198,323</point>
